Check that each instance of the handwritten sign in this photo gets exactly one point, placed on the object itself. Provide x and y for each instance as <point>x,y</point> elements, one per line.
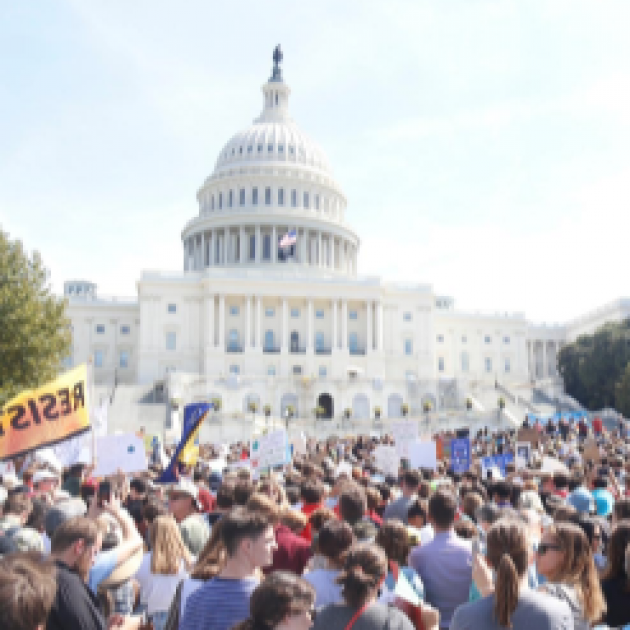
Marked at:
<point>269,450</point>
<point>404,433</point>
<point>120,452</point>
<point>423,454</point>
<point>387,459</point>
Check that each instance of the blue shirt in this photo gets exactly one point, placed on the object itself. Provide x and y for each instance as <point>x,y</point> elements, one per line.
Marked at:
<point>103,567</point>
<point>219,604</point>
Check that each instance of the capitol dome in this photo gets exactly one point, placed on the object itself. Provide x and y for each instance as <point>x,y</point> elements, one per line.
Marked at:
<point>271,199</point>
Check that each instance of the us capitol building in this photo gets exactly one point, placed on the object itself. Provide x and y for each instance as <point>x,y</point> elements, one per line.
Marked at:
<point>270,307</point>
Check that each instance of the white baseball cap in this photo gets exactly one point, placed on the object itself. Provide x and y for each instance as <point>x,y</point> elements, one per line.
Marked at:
<point>43,475</point>
<point>185,486</point>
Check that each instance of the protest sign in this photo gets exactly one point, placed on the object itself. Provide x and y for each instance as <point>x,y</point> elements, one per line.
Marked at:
<point>528,434</point>
<point>404,432</point>
<point>45,416</point>
<point>387,459</point>
<point>423,454</point>
<point>120,452</point>
<point>269,450</point>
<point>591,451</point>
<point>523,454</point>
<point>496,461</point>
<point>299,444</point>
<point>460,455</point>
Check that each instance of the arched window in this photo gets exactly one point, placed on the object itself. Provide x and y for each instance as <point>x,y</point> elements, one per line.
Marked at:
<point>233,341</point>
<point>353,343</point>
<point>269,340</point>
<point>319,341</point>
<point>408,347</point>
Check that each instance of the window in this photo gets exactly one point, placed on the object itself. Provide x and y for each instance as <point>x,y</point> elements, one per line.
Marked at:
<point>220,201</point>
<point>171,341</point>
<point>240,150</point>
<point>322,371</point>
<point>249,148</point>
<point>464,362</point>
<point>488,339</point>
<point>271,370</point>
<point>270,148</point>
<point>234,310</point>
<point>294,198</point>
<point>464,339</point>
<point>306,200</point>
<point>269,340</point>
<point>407,317</point>
<point>230,198</point>
<point>252,247</point>
<point>212,203</point>
<point>408,347</point>
<point>125,330</point>
<point>316,202</point>
<point>295,312</point>
<point>270,312</point>
<point>266,247</point>
<point>241,197</point>
<point>440,364</point>
<point>267,196</point>
<point>254,196</point>
<point>506,340</point>
<point>291,149</point>
<point>353,315</point>
<point>171,308</point>
<point>353,342</point>
<point>260,148</point>
<point>488,365</point>
<point>233,340</point>
<point>235,369</point>
<point>98,358</point>
<point>507,366</point>
<point>281,196</point>
<point>100,329</point>
<point>440,338</point>
<point>319,341</point>
<point>297,370</point>
<point>319,313</point>
<point>124,359</point>
<point>281,148</point>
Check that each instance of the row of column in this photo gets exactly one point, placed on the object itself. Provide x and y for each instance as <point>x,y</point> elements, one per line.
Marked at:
<point>537,351</point>
<point>254,308</point>
<point>230,246</point>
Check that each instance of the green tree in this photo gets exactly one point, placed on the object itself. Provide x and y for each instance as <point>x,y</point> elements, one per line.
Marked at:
<point>622,393</point>
<point>35,333</point>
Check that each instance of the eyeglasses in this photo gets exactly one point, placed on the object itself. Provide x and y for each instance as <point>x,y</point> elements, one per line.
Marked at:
<point>543,548</point>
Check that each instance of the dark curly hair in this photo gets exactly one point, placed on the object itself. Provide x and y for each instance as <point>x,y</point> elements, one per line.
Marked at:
<point>393,539</point>
<point>364,566</point>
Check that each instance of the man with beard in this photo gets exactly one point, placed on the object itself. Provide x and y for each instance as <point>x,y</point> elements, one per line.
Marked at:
<point>74,547</point>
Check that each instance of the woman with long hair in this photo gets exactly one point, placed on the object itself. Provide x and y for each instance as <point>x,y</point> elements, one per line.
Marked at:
<point>363,572</point>
<point>162,569</point>
<point>565,559</point>
<point>282,602</point>
<point>616,577</point>
<point>510,603</point>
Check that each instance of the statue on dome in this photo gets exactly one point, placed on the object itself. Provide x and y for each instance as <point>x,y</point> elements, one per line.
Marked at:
<point>277,60</point>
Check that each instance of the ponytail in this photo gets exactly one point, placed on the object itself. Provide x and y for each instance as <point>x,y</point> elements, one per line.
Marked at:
<point>506,591</point>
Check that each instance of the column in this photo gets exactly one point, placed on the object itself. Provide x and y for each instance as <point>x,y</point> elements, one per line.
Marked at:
<point>203,250</point>
<point>222,322</point>
<point>370,337</point>
<point>379,326</point>
<point>309,339</point>
<point>258,245</point>
<point>285,324</point>
<point>304,247</point>
<point>241,245</point>
<point>210,318</point>
<point>186,255</point>
<point>248,323</point>
<point>342,255</point>
<point>274,245</point>
<point>344,325</point>
<point>335,336</point>
<point>545,370</point>
<point>320,253</point>
<point>332,253</point>
<point>258,323</point>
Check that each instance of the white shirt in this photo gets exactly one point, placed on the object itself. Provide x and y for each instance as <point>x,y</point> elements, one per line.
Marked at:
<point>326,590</point>
<point>157,591</point>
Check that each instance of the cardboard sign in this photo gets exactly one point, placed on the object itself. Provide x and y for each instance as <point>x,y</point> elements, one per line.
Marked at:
<point>423,454</point>
<point>523,455</point>
<point>528,434</point>
<point>269,450</point>
<point>45,416</point>
<point>120,452</point>
<point>404,432</point>
<point>387,459</point>
<point>591,451</point>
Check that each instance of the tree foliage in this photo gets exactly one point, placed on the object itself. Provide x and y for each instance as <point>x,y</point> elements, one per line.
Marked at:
<point>35,333</point>
<point>595,368</point>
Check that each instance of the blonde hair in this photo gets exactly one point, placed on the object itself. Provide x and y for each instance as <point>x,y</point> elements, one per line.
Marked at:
<point>167,547</point>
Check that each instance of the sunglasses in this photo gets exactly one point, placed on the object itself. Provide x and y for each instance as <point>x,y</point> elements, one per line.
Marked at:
<point>543,548</point>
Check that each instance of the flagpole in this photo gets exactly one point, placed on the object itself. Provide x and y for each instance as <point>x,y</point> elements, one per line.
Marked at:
<point>90,376</point>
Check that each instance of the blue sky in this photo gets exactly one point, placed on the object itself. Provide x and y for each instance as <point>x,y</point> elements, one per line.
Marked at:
<point>484,147</point>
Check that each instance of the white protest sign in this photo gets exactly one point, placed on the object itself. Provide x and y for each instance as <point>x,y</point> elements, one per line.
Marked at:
<point>76,450</point>
<point>422,454</point>
<point>299,444</point>
<point>120,452</point>
<point>404,432</point>
<point>387,459</point>
<point>523,454</point>
<point>269,450</point>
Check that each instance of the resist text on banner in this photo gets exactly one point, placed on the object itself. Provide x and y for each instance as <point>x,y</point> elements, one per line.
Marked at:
<point>45,416</point>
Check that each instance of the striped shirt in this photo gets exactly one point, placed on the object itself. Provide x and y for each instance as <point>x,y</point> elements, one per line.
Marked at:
<point>219,604</point>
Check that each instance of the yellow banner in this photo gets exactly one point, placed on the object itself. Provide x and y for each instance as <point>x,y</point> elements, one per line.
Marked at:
<point>50,414</point>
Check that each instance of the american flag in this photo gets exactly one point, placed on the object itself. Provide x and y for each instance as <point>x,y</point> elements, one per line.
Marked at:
<point>290,238</point>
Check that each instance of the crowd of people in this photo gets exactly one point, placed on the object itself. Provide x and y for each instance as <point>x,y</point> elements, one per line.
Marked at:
<point>327,541</point>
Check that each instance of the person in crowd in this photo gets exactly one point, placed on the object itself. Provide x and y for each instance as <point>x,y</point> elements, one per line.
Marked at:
<point>409,487</point>
<point>45,484</point>
<point>282,602</point>
<point>334,539</point>
<point>312,495</point>
<point>224,502</point>
<point>184,505</point>
<point>419,528</point>
<point>223,601</point>
<point>444,564</point>
<point>17,509</point>
<point>373,502</point>
<point>161,570</point>
<point>363,572</point>
<point>616,577</point>
<point>27,592</point>
<point>502,494</point>
<point>74,479</point>
<point>508,601</point>
<point>565,559</point>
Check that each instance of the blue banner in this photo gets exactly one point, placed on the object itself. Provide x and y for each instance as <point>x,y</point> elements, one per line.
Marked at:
<point>460,455</point>
<point>191,415</point>
<point>500,461</point>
